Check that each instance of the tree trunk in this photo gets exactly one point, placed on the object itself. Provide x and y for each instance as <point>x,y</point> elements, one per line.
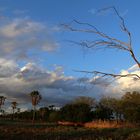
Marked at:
<point>34,110</point>
<point>13,114</point>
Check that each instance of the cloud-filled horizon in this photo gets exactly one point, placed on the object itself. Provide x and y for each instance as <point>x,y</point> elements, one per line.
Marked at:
<point>55,87</point>
<point>34,54</point>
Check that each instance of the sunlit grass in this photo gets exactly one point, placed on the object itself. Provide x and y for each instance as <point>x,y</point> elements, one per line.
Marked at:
<point>52,131</point>
<point>109,124</point>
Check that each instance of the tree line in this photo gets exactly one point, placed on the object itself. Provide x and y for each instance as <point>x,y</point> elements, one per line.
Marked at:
<point>81,109</point>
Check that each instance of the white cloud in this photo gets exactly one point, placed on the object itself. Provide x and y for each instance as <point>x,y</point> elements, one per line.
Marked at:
<point>18,27</point>
<point>16,83</point>
<point>20,35</point>
<point>54,86</point>
<point>122,85</point>
<point>7,68</point>
<point>129,83</point>
<point>133,68</point>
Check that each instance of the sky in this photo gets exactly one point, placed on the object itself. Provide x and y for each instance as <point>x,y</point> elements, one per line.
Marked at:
<point>36,52</point>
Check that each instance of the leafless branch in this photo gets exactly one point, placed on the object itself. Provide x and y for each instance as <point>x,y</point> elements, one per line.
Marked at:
<point>96,31</point>
<point>105,41</point>
<point>100,43</point>
<point>125,29</point>
<point>103,74</point>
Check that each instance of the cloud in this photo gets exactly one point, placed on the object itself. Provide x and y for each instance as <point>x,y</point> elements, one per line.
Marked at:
<point>129,83</point>
<point>106,11</point>
<point>55,87</point>
<point>7,68</point>
<point>18,36</point>
<point>133,68</point>
<point>122,85</point>
<point>20,12</point>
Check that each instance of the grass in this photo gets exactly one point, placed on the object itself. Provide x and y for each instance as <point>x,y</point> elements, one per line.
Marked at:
<point>51,131</point>
<point>108,124</point>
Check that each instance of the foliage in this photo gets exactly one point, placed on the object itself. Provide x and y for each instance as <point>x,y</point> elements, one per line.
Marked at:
<point>79,112</point>
<point>102,112</point>
<point>2,99</point>
<point>131,106</point>
<point>36,97</point>
<point>83,109</point>
<point>84,100</point>
<point>43,113</point>
<point>113,105</point>
<point>54,116</point>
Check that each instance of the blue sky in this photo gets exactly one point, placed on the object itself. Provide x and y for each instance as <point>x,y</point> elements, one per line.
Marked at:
<point>52,13</point>
<point>35,52</point>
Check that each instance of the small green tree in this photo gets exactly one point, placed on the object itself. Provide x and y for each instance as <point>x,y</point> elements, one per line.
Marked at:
<point>54,116</point>
<point>114,105</point>
<point>2,100</point>
<point>131,106</point>
<point>102,112</point>
<point>85,100</point>
<point>79,112</point>
<point>36,97</point>
<point>44,113</point>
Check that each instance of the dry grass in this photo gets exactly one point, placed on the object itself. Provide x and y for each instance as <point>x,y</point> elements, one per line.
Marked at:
<point>99,124</point>
<point>38,131</point>
<point>108,124</point>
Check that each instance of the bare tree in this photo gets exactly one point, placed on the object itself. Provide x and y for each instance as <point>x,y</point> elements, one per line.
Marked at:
<point>106,41</point>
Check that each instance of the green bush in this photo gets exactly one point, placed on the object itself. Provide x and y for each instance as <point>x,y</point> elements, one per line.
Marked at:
<point>79,112</point>
<point>54,116</point>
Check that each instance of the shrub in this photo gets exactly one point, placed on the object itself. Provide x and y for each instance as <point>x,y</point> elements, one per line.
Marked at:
<point>79,112</point>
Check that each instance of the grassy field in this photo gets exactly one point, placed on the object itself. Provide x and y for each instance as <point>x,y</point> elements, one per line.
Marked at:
<point>51,131</point>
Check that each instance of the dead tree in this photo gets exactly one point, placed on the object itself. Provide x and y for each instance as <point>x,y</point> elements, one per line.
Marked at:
<point>106,41</point>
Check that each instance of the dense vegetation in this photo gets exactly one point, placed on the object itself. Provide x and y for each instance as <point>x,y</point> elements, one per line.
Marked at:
<point>82,119</point>
<point>83,109</point>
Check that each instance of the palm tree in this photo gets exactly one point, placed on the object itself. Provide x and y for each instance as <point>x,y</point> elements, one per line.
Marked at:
<point>36,97</point>
<point>18,112</point>
<point>14,106</point>
<point>2,100</point>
